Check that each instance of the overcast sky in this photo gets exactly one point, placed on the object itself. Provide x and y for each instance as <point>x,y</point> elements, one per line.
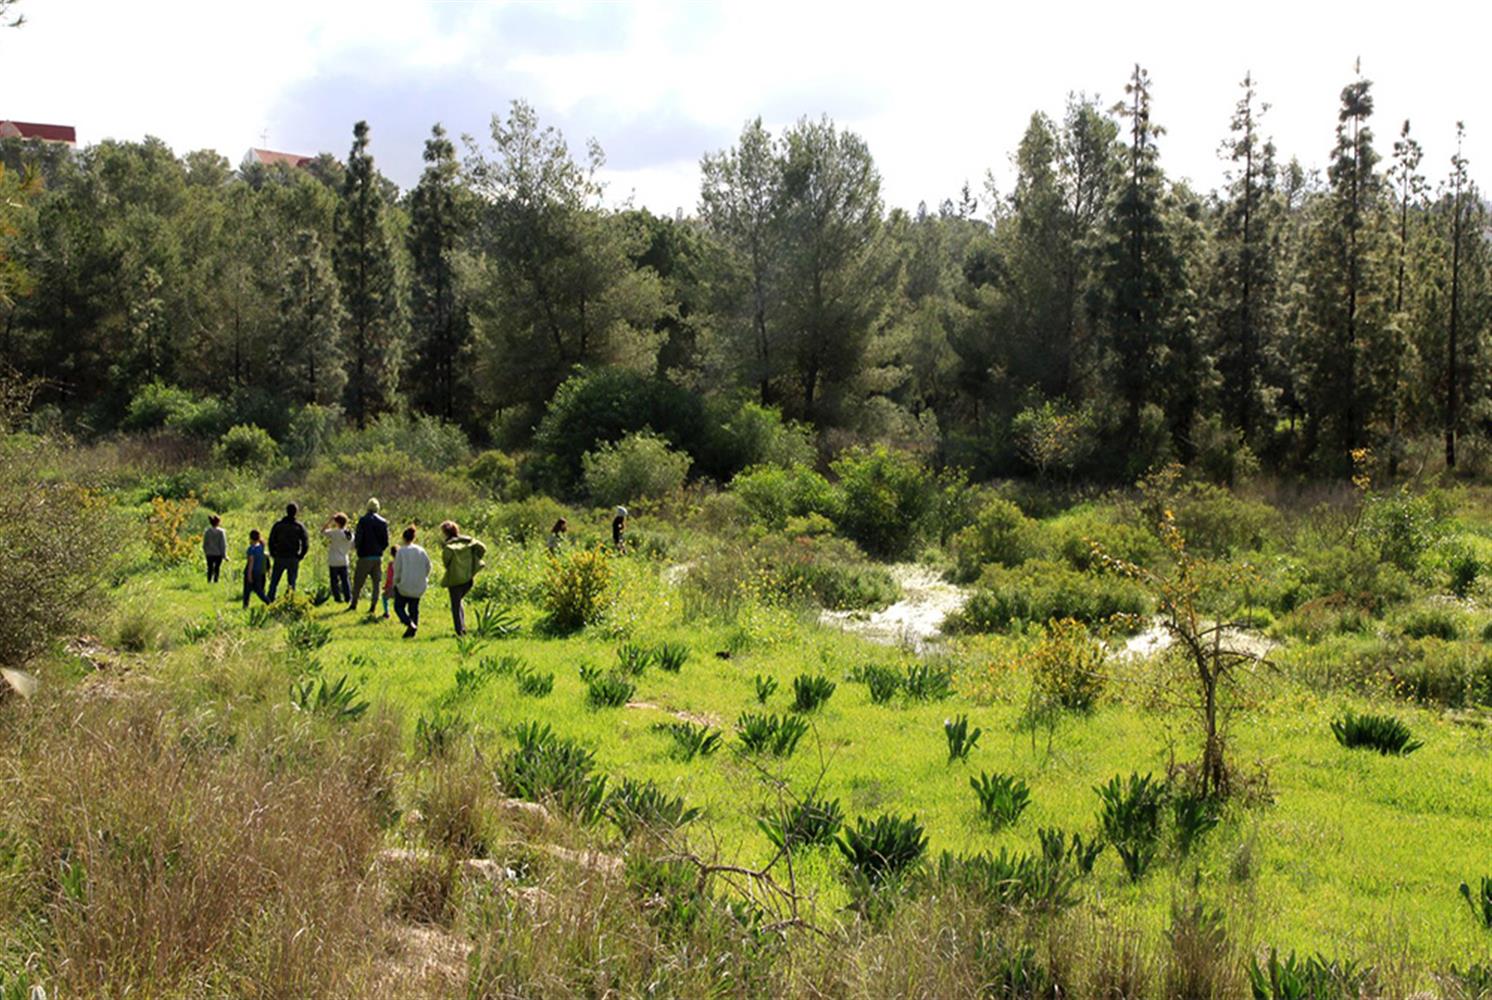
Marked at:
<point>940,91</point>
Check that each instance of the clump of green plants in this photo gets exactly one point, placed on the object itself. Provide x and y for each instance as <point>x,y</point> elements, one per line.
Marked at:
<point>1058,847</point>
<point>765,687</point>
<point>671,656</point>
<point>692,739</point>
<point>258,617</point>
<point>925,682</point>
<point>336,700</point>
<point>1383,733</point>
<point>1067,666</point>
<point>1315,977</point>
<point>532,683</point>
<point>469,644</point>
<point>205,628</point>
<point>961,741</point>
<point>637,805</point>
<point>1010,881</point>
<point>1433,622</point>
<point>810,692</point>
<point>632,659</point>
<point>492,620</point>
<point>1195,816</point>
<point>290,607</point>
<point>437,733</point>
<point>1480,901</point>
<point>307,636</point>
<point>773,734</point>
<point>1002,798</point>
<point>809,822</point>
<point>554,770</point>
<point>880,681</point>
<point>577,590</point>
<point>882,849</point>
<point>1129,816</point>
<point>1041,590</point>
<point>606,690</point>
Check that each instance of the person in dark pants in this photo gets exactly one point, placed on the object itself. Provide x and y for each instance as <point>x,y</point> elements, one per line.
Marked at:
<point>214,547</point>
<point>253,569</point>
<point>369,541</point>
<point>338,543</point>
<point>288,545</point>
<point>462,556</point>
<point>411,577</point>
<point>619,530</point>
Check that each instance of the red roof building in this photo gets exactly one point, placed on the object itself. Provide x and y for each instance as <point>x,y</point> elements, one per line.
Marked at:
<point>269,157</point>
<point>36,130</point>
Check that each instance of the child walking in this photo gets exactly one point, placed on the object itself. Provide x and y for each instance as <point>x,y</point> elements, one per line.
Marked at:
<point>254,568</point>
<point>338,545</point>
<point>388,580</point>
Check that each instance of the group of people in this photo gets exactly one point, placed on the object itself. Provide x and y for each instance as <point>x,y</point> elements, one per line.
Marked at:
<point>404,580</point>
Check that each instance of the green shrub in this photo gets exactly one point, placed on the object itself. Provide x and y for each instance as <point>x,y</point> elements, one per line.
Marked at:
<point>1001,535</point>
<point>1067,666</point>
<point>1058,848</point>
<point>776,735</point>
<point>632,659</point>
<point>1009,881</point>
<point>1441,672</point>
<point>577,590</point>
<point>307,636</point>
<point>1383,733</point>
<point>882,849</point>
<point>1313,978</point>
<point>608,690</point>
<point>882,682</point>
<point>1437,622</point>
<point>245,446</point>
<point>810,822</point>
<point>337,700</point>
<point>1040,591</point>
<point>159,406</point>
<point>925,682</point>
<point>1216,523</point>
<point>532,683</point>
<point>671,656</point>
<point>437,733</point>
<point>765,686</point>
<point>495,475</point>
<point>310,432</point>
<point>888,497</point>
<point>1195,816</point>
<point>1077,537</point>
<point>552,770</point>
<point>638,467</point>
<point>1403,526</point>
<point>757,435</point>
<point>961,742</point>
<point>692,739</point>
<point>427,442</point>
<point>635,806</point>
<point>1002,798</point>
<point>1129,816</point>
<point>1465,568</point>
<point>810,693</point>
<point>774,494</point>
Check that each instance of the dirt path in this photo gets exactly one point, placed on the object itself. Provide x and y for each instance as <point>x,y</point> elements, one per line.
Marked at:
<point>916,619</point>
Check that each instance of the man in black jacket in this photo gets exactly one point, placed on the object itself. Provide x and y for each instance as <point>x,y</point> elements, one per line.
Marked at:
<point>370,541</point>
<point>288,545</point>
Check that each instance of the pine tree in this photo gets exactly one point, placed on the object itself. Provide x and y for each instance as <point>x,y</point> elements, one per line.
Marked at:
<point>1408,187</point>
<point>1461,231</point>
<point>366,271</point>
<point>310,355</point>
<point>440,328</point>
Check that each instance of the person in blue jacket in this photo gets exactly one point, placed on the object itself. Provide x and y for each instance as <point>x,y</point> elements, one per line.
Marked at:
<point>254,568</point>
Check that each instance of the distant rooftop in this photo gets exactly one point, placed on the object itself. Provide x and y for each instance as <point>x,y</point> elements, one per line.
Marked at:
<point>269,157</point>
<point>37,130</point>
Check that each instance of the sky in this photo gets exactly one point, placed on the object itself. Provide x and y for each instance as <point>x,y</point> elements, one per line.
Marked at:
<point>940,91</point>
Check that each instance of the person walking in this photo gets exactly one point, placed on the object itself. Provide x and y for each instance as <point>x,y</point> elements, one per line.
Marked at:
<point>619,530</point>
<point>557,536</point>
<point>388,581</point>
<point>253,569</point>
<point>338,544</point>
<point>461,556</point>
<point>214,547</point>
<point>411,577</point>
<point>288,545</point>
<point>368,541</point>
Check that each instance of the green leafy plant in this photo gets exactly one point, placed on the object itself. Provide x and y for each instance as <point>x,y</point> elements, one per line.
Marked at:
<point>500,666</point>
<point>1057,846</point>
<point>692,739</point>
<point>307,636</point>
<point>810,692</point>
<point>532,683</point>
<point>1383,733</point>
<point>635,805</point>
<point>881,682</point>
<point>1129,816</point>
<point>577,589</point>
<point>808,822</point>
<point>633,659</point>
<point>337,700</point>
<point>776,735</point>
<point>765,687</point>
<point>554,770</point>
<point>259,617</point>
<point>1002,798</point>
<point>1313,978</point>
<point>1010,881</point>
<point>469,644</point>
<point>925,682</point>
<point>492,620</point>
<point>290,607</point>
<point>882,849</point>
<point>608,690</point>
<point>1195,816</point>
<point>960,740</point>
<point>1067,666</point>
<point>436,733</point>
<point>1480,901</point>
<point>671,656</point>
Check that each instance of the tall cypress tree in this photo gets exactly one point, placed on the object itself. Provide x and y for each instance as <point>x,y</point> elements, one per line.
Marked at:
<point>440,327</point>
<point>364,260</point>
<point>310,355</point>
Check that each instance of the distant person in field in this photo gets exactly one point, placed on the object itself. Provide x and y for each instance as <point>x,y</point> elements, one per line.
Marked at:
<point>288,545</point>
<point>338,544</point>
<point>557,536</point>
<point>461,556</point>
<point>388,580</point>
<point>411,576</point>
<point>368,541</point>
<point>253,569</point>
<point>214,547</point>
<point>619,529</point>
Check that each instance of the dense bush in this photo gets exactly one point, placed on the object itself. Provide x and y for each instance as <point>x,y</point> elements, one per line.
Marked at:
<point>1217,523</point>
<point>429,442</point>
<point>1040,590</point>
<point>310,432</point>
<point>158,406</point>
<point>1403,525</point>
<point>757,435</point>
<point>1129,816</point>
<point>640,466</point>
<point>888,497</point>
<point>1437,621</point>
<point>1001,535</point>
<point>1067,666</point>
<point>882,849</point>
<point>1002,798</point>
<point>577,590</point>
<point>495,475</point>
<point>521,521</point>
<point>1076,537</point>
<point>246,446</point>
<point>555,770</point>
<point>384,473</point>
<point>1440,672</point>
<point>775,493</point>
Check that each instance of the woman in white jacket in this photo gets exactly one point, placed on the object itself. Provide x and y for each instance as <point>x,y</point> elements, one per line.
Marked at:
<point>411,577</point>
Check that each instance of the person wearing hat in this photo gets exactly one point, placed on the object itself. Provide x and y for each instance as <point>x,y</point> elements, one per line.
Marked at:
<point>369,541</point>
<point>619,529</point>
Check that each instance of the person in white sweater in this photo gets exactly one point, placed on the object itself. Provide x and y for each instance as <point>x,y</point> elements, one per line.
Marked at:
<point>411,577</point>
<point>338,544</point>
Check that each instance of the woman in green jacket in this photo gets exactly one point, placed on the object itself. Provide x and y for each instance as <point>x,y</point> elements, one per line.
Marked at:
<point>462,556</point>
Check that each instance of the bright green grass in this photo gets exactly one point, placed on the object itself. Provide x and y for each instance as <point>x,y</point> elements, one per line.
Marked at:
<point>1357,853</point>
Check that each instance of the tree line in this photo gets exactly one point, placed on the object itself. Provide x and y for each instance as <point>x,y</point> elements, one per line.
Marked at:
<point>1099,317</point>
